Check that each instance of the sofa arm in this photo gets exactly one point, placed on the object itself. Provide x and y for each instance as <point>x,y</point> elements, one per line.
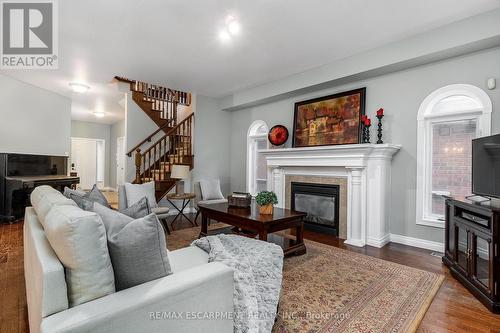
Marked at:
<point>199,299</point>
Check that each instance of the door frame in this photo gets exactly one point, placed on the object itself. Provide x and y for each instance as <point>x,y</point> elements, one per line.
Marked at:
<point>96,140</point>
<point>124,160</point>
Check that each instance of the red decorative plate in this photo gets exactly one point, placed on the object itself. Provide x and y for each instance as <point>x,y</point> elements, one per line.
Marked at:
<point>278,135</point>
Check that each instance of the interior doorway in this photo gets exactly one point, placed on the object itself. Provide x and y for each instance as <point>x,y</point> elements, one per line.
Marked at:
<point>88,159</point>
<point>120,160</point>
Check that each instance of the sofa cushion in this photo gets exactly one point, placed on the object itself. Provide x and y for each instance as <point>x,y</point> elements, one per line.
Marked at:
<point>138,248</point>
<point>187,257</point>
<point>135,192</point>
<point>137,210</point>
<point>78,238</point>
<point>210,189</point>
<point>44,197</point>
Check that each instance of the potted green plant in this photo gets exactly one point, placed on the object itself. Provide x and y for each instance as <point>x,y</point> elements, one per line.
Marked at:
<point>266,201</point>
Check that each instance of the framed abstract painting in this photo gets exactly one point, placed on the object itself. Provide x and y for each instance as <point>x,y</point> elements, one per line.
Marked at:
<point>329,120</point>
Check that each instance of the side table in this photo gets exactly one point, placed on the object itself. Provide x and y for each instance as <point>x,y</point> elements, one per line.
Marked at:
<point>186,198</point>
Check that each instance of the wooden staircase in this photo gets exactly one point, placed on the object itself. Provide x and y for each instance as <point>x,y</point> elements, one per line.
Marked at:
<point>154,161</point>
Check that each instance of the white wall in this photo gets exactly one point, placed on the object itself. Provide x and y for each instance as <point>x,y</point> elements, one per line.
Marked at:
<point>137,127</point>
<point>211,142</point>
<point>83,129</point>
<point>400,94</point>
<point>33,120</point>
<point>458,38</point>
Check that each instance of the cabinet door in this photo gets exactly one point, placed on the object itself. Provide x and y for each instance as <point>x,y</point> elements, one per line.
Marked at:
<point>462,247</point>
<point>481,269</point>
<point>450,232</point>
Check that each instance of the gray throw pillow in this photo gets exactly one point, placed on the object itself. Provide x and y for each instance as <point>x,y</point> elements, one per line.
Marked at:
<point>68,191</point>
<point>81,202</point>
<point>113,220</point>
<point>138,210</point>
<point>96,196</point>
<point>138,248</point>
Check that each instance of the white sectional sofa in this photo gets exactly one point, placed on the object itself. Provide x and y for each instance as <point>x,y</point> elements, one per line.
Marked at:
<point>197,297</point>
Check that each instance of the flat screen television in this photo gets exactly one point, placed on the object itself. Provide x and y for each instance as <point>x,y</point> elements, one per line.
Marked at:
<point>486,166</point>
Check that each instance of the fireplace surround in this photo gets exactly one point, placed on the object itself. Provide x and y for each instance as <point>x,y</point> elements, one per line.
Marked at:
<point>367,171</point>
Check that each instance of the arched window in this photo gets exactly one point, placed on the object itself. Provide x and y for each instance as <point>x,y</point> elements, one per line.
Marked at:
<point>448,120</point>
<point>256,162</point>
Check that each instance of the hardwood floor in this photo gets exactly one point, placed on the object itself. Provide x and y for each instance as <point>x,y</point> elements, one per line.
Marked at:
<point>454,309</point>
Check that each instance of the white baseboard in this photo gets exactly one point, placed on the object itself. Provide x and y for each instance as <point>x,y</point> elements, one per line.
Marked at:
<point>354,242</point>
<point>378,242</point>
<point>417,242</point>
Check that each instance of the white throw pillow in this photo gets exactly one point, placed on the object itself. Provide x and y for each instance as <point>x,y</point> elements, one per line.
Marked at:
<point>79,240</point>
<point>136,192</point>
<point>210,189</point>
<point>44,197</point>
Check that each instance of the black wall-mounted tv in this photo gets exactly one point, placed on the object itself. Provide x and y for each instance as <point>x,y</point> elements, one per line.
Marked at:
<point>486,166</point>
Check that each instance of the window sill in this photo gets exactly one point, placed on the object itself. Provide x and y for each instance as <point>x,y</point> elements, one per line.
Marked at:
<point>431,223</point>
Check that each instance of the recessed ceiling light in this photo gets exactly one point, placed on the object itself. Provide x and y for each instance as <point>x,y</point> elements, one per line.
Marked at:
<point>224,35</point>
<point>99,114</point>
<point>79,88</point>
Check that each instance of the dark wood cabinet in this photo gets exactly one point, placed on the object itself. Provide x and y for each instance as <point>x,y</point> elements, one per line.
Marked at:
<point>471,248</point>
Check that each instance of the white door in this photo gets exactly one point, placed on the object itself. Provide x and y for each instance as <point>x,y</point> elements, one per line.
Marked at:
<point>120,160</point>
<point>84,158</point>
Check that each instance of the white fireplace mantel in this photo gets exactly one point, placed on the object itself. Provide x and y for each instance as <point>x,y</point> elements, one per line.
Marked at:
<point>367,168</point>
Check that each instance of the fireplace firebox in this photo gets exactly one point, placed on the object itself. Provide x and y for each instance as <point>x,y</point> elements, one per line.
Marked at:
<point>320,202</point>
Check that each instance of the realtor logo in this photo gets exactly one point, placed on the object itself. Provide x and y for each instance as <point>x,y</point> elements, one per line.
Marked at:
<point>29,34</point>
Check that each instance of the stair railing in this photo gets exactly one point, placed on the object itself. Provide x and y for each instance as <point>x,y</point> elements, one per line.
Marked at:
<point>175,147</point>
<point>148,139</point>
<point>164,100</point>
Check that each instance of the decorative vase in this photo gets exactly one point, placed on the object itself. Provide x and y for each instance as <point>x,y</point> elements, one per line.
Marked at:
<point>267,209</point>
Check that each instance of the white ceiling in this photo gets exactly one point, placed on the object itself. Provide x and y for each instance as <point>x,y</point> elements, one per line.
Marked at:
<point>175,42</point>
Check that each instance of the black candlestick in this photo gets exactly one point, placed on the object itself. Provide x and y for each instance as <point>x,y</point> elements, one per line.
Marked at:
<point>366,134</point>
<point>379,130</point>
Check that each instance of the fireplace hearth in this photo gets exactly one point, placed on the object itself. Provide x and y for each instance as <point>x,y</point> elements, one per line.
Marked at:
<point>320,202</point>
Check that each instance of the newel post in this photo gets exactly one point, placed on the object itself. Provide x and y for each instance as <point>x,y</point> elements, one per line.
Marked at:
<point>138,162</point>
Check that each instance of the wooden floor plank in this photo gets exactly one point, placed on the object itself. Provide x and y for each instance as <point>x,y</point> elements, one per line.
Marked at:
<point>454,309</point>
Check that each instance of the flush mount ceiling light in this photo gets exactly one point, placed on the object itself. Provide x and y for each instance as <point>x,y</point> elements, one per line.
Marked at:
<point>232,25</point>
<point>231,28</point>
<point>99,114</point>
<point>79,88</point>
<point>224,35</point>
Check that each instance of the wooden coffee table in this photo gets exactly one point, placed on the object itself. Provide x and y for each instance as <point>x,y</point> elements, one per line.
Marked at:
<point>249,219</point>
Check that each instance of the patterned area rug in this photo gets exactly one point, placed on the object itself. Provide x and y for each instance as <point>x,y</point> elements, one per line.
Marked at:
<point>335,290</point>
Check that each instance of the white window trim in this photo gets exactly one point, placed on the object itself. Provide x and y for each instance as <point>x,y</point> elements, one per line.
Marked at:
<point>425,119</point>
<point>251,151</point>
